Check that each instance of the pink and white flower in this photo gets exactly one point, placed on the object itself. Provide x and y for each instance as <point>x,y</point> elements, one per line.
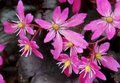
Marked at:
<point>102,57</point>
<point>73,47</point>
<point>76,4</point>
<point>59,26</point>
<point>108,23</point>
<point>70,63</point>
<point>29,46</point>
<point>89,71</point>
<point>23,25</point>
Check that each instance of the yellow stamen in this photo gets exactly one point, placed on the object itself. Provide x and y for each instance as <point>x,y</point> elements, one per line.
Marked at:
<point>87,68</point>
<point>69,44</point>
<point>109,19</point>
<point>27,47</point>
<point>21,25</point>
<point>98,56</point>
<point>67,63</point>
<point>55,27</point>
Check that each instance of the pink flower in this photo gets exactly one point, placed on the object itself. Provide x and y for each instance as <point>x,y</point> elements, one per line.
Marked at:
<point>29,46</point>
<point>23,25</point>
<point>108,23</point>
<point>69,63</point>
<point>2,47</point>
<point>76,4</point>
<point>73,47</point>
<point>102,58</point>
<point>89,71</point>
<point>59,26</point>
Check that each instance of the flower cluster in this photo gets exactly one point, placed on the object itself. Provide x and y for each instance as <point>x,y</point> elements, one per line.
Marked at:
<point>22,27</point>
<point>68,45</point>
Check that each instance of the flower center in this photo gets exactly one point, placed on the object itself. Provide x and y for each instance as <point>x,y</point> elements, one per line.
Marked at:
<point>87,68</point>
<point>98,56</point>
<point>69,44</point>
<point>109,19</point>
<point>67,63</point>
<point>21,25</point>
<point>55,27</point>
<point>27,47</point>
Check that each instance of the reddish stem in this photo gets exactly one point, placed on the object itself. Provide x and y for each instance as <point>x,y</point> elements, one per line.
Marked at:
<point>100,40</point>
<point>34,25</point>
<point>35,34</point>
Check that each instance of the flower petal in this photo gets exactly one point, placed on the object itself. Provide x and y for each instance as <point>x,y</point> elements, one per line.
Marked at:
<point>2,47</point>
<point>1,79</point>
<point>22,33</point>
<point>116,11</point>
<point>63,57</point>
<point>20,10</point>
<point>116,24</point>
<point>99,31</point>
<point>43,24</point>
<point>100,75</point>
<point>74,37</point>
<point>8,28</point>
<point>63,16</point>
<point>82,80</point>
<point>58,46</point>
<point>75,63</point>
<point>57,13</point>
<point>104,47</point>
<point>93,25</point>
<point>29,30</point>
<point>104,7</point>
<point>37,53</point>
<point>29,18</point>
<point>75,20</point>
<point>86,79</point>
<point>89,80</point>
<point>70,1</point>
<point>51,34</point>
<point>110,31</point>
<point>67,72</point>
<point>110,62</point>
<point>76,6</point>
<point>78,49</point>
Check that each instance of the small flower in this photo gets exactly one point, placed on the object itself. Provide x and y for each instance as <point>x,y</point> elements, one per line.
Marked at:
<point>89,71</point>
<point>29,46</point>
<point>108,23</point>
<point>23,25</point>
<point>76,4</point>
<point>69,63</point>
<point>102,58</point>
<point>59,26</point>
<point>73,47</point>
